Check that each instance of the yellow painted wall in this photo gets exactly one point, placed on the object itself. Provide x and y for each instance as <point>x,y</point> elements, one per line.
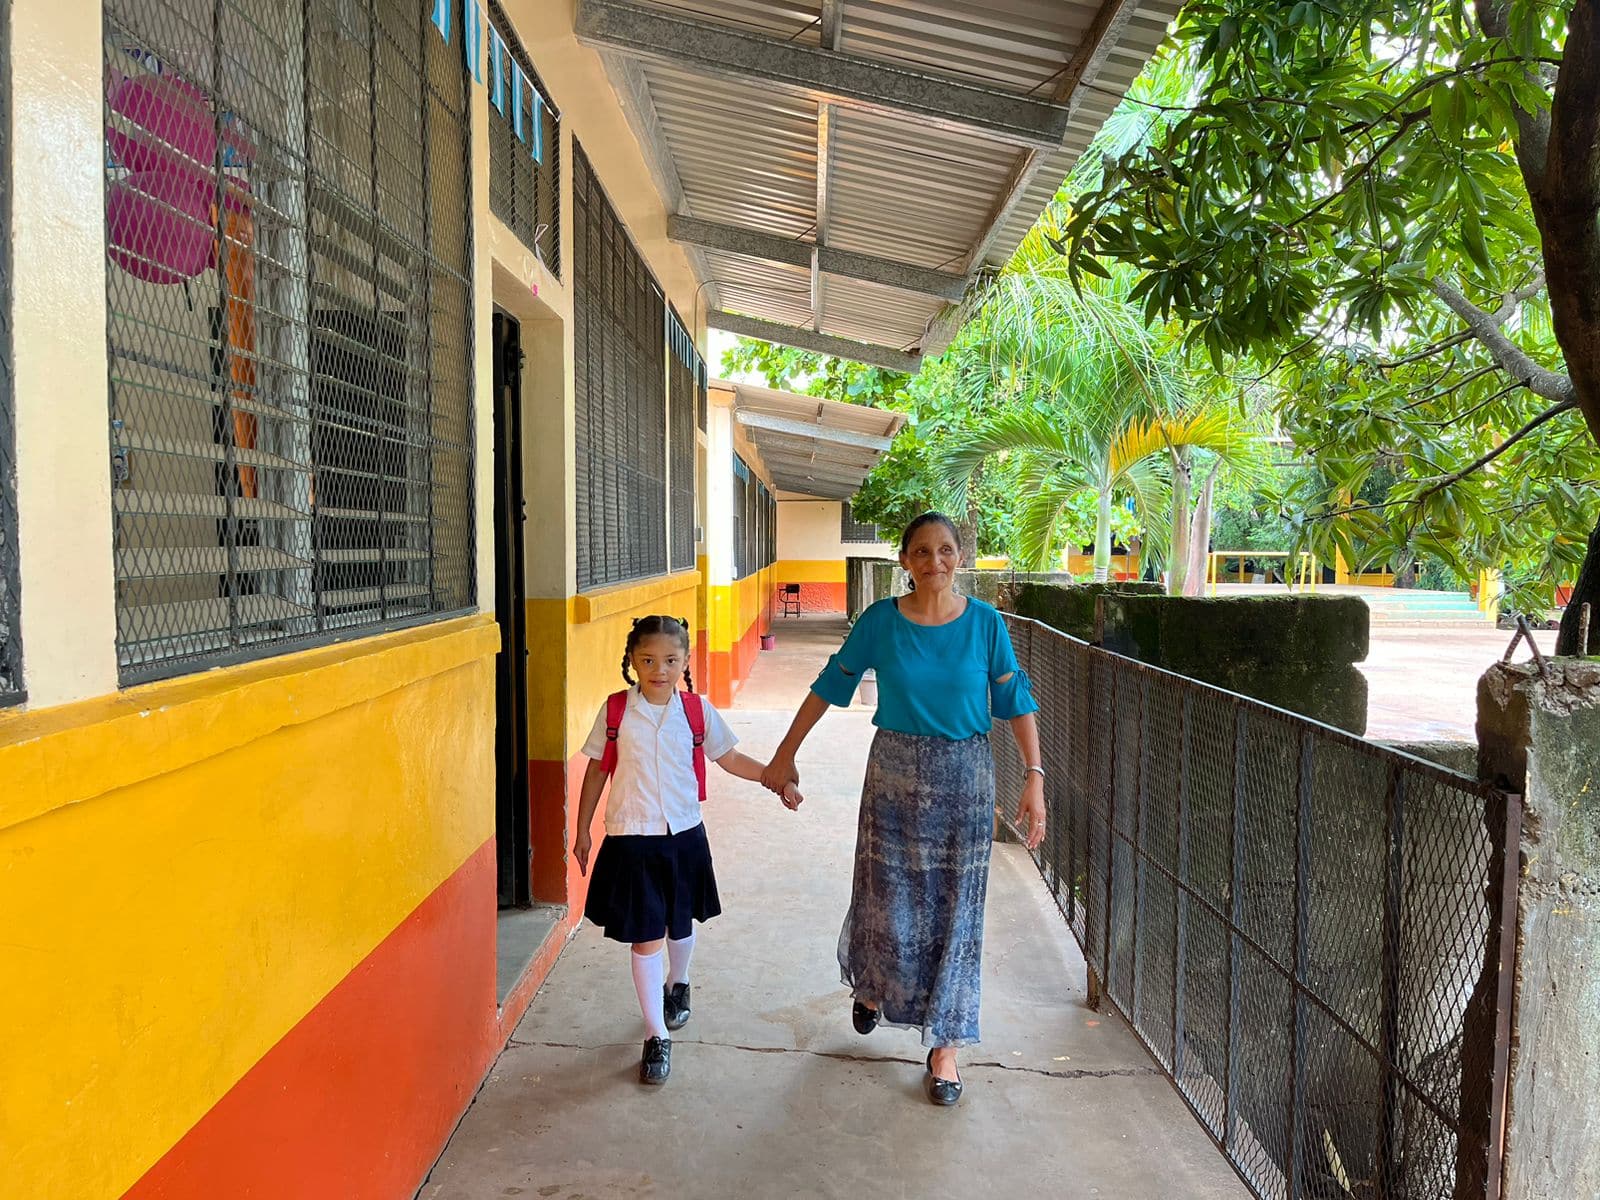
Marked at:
<point>188,867</point>
<point>796,571</point>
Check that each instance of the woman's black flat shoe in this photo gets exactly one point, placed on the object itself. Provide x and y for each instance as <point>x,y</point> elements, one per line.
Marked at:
<point>863,1018</point>
<point>943,1092</point>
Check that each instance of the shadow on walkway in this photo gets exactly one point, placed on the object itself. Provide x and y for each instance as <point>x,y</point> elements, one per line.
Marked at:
<point>772,1093</point>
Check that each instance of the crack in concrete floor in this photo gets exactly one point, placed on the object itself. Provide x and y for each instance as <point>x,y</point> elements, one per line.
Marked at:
<point>867,1059</point>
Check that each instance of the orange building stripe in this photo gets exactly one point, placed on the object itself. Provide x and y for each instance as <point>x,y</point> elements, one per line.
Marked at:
<point>357,1100</point>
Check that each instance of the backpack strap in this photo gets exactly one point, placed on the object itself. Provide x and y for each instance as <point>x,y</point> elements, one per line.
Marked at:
<point>616,709</point>
<point>694,710</point>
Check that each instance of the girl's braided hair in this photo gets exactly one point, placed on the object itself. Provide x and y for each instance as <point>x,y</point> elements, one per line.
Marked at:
<point>643,627</point>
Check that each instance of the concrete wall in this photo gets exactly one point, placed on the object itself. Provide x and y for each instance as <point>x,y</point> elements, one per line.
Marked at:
<point>1295,652</point>
<point>1540,735</point>
<point>812,554</point>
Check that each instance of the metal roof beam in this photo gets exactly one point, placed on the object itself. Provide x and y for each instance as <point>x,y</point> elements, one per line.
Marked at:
<point>890,358</point>
<point>752,243</point>
<point>729,53</point>
<point>810,432</point>
<point>820,474</point>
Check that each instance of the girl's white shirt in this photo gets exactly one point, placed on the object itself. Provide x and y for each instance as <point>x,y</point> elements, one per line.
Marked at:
<point>653,790</point>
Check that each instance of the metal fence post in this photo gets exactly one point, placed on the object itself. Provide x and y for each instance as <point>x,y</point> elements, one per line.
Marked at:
<point>1180,896</point>
<point>1302,961</point>
<point>1230,1087</point>
<point>1389,993</point>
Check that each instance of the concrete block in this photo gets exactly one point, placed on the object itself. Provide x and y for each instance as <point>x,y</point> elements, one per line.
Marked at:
<point>1539,733</point>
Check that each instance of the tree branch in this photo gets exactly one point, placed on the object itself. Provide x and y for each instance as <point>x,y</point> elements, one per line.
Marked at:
<point>1477,464</point>
<point>1513,359</point>
<point>1533,140</point>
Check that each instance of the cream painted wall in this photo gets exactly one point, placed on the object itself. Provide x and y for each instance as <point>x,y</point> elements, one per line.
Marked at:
<point>58,310</point>
<point>808,531</point>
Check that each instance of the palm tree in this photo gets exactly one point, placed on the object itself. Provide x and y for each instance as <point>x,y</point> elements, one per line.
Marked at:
<point>1112,408</point>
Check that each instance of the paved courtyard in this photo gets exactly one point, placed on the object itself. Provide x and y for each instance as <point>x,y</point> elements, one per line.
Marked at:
<point>1424,682</point>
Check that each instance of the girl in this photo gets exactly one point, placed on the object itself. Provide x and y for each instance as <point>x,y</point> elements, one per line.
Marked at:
<point>653,878</point>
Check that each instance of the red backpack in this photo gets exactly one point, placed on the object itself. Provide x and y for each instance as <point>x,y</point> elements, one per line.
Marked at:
<point>617,708</point>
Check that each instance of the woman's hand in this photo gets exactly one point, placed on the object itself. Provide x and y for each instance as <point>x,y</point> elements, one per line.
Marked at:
<point>580,849</point>
<point>1030,811</point>
<point>780,773</point>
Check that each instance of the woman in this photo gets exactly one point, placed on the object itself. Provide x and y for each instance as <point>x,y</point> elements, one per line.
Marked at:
<point>913,938</point>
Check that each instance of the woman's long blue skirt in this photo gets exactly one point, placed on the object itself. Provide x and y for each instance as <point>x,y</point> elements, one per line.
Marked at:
<point>913,938</point>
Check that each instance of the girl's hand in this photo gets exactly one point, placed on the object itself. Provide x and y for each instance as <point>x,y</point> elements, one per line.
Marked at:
<point>780,774</point>
<point>580,848</point>
<point>792,799</point>
<point>1030,812</point>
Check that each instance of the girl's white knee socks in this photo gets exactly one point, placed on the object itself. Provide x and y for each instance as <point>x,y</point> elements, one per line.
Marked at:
<point>648,973</point>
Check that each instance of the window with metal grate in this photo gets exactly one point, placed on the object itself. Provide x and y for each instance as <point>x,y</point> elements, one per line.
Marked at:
<point>619,365</point>
<point>289,325</point>
<point>525,186</point>
<point>10,592</point>
<point>852,531</point>
<point>685,370</point>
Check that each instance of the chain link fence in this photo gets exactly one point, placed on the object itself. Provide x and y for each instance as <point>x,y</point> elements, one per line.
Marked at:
<point>1307,931</point>
<point>289,326</point>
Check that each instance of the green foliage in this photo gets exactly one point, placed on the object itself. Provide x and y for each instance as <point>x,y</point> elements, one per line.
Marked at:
<point>1339,192</point>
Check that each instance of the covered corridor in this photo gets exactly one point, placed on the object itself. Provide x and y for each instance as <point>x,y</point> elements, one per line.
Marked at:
<point>772,1092</point>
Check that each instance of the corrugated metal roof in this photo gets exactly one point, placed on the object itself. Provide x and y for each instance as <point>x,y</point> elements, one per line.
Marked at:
<point>811,446</point>
<point>743,142</point>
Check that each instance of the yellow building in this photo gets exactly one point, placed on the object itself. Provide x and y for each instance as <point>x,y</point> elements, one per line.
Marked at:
<point>358,405</point>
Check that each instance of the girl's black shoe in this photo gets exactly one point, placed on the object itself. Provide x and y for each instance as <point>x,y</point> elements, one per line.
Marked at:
<point>655,1064</point>
<point>863,1018</point>
<point>675,1006</point>
<point>943,1092</point>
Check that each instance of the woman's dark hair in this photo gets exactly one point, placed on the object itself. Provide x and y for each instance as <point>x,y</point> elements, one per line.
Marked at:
<point>674,627</point>
<point>927,518</point>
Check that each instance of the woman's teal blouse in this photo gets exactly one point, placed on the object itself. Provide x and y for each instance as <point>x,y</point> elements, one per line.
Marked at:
<point>933,680</point>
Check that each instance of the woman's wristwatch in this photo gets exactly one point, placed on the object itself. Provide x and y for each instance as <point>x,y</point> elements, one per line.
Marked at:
<point>1035,770</point>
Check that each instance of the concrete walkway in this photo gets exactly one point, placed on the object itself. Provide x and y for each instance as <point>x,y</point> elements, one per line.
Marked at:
<point>773,1094</point>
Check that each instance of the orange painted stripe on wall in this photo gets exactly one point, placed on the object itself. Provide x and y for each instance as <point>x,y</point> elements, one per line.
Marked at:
<point>357,1100</point>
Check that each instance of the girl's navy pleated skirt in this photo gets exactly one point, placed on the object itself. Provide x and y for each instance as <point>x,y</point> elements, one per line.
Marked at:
<point>652,886</point>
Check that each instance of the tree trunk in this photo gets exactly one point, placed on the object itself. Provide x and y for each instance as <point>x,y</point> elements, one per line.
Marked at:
<point>1102,537</point>
<point>1585,591</point>
<point>1182,483</point>
<point>1200,538</point>
<point>967,527</point>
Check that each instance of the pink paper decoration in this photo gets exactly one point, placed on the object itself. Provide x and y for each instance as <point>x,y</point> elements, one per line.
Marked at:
<point>158,226</point>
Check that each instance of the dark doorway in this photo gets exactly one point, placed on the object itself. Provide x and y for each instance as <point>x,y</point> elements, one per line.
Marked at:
<point>512,817</point>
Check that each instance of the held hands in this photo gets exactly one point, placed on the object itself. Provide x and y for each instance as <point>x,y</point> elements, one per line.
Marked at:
<point>792,799</point>
<point>1030,812</point>
<point>781,778</point>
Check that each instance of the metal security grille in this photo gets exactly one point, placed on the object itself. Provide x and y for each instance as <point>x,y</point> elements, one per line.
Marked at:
<point>10,596</point>
<point>755,522</point>
<point>289,324</point>
<point>620,368</point>
<point>1307,931</point>
<point>852,531</point>
<point>525,192</point>
<point>743,485</point>
<point>685,375</point>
